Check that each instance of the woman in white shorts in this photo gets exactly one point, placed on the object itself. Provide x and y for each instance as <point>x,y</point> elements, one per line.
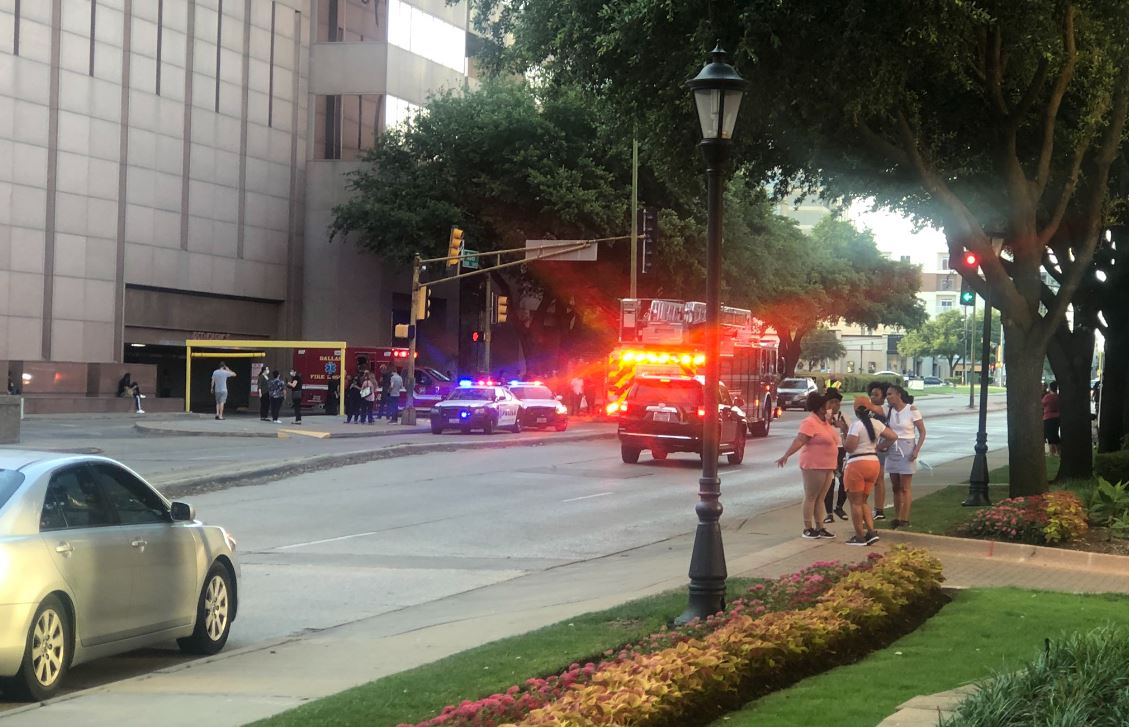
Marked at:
<point>904,420</point>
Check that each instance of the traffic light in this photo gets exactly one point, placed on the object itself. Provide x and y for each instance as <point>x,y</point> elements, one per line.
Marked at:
<point>500,309</point>
<point>400,330</point>
<point>648,236</point>
<point>970,261</point>
<point>423,303</point>
<point>455,247</point>
<point>967,294</point>
<point>476,336</point>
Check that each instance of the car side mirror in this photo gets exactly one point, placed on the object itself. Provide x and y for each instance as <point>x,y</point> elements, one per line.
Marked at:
<point>182,512</point>
<point>738,402</point>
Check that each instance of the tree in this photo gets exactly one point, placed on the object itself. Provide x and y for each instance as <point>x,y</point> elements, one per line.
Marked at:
<point>947,336</point>
<point>988,118</point>
<point>821,345</point>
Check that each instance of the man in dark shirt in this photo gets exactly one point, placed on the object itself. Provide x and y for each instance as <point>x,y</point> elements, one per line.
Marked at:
<point>294,383</point>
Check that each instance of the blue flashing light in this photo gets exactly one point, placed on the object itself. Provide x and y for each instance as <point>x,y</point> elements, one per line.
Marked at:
<point>464,383</point>
<point>515,382</point>
<point>464,414</point>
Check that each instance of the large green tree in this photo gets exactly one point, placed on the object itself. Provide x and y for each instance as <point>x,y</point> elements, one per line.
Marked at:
<point>992,119</point>
<point>820,346</point>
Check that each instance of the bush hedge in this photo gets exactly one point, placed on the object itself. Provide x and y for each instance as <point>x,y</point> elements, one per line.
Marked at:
<point>1113,466</point>
<point>851,382</point>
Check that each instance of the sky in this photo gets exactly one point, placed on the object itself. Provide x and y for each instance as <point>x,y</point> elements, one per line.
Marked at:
<point>895,235</point>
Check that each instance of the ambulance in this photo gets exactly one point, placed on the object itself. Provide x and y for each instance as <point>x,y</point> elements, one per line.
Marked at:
<point>319,366</point>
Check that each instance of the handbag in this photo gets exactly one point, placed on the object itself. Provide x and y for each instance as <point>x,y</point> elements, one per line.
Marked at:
<point>366,391</point>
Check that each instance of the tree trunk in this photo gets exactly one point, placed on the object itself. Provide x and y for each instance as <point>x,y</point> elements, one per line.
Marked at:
<point>789,353</point>
<point>1071,355</point>
<point>1028,466</point>
<point>1114,393</point>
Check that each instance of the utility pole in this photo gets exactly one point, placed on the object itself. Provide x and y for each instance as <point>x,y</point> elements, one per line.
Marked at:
<point>488,329</point>
<point>969,367</point>
<point>634,217</point>
<point>408,416</point>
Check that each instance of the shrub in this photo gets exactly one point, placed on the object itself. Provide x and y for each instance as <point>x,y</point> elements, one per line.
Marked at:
<point>851,382</point>
<point>1076,680</point>
<point>1113,466</point>
<point>1108,503</point>
<point>1052,518</point>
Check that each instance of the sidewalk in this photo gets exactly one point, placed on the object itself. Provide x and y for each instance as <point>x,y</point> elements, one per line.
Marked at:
<point>237,687</point>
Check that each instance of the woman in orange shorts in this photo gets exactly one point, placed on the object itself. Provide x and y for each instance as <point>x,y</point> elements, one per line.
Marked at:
<point>864,438</point>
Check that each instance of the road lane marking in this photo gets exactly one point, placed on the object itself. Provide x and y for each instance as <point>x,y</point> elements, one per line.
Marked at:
<point>588,497</point>
<point>326,540</point>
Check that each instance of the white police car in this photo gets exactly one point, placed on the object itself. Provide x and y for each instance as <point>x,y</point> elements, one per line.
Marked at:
<point>477,405</point>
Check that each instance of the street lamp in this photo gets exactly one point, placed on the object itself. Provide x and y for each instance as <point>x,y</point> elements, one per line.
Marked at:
<point>717,95</point>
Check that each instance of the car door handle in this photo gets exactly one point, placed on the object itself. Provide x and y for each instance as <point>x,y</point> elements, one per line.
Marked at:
<point>139,543</point>
<point>65,549</point>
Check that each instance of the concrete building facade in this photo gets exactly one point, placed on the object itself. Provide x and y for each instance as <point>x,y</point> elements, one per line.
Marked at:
<point>168,170</point>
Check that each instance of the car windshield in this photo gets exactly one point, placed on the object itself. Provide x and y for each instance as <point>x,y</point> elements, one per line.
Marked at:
<point>532,392</point>
<point>793,384</point>
<point>465,394</point>
<point>682,393</point>
<point>10,481</point>
<point>438,376</point>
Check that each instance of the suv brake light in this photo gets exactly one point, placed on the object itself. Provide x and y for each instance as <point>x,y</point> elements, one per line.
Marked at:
<point>702,412</point>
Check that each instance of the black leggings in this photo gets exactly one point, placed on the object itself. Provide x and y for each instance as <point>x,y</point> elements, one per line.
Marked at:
<point>275,407</point>
<point>830,498</point>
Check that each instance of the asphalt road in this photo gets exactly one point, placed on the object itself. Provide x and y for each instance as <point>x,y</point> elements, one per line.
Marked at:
<point>334,546</point>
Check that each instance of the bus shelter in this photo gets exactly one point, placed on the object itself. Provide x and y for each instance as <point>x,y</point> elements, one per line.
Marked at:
<point>250,349</point>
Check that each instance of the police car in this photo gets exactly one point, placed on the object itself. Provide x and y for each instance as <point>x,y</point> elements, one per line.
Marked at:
<point>540,407</point>
<point>477,405</point>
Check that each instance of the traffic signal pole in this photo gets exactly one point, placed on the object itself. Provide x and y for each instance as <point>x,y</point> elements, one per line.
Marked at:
<point>634,217</point>
<point>488,329</point>
<point>408,416</point>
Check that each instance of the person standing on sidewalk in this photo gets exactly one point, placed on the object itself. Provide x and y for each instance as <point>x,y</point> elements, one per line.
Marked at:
<point>264,394</point>
<point>276,390</point>
<point>831,503</point>
<point>903,418</point>
<point>1052,418</point>
<point>385,382</point>
<point>395,386</point>
<point>865,438</point>
<point>219,386</point>
<point>819,441</point>
<point>368,398</point>
<point>877,392</point>
<point>294,383</point>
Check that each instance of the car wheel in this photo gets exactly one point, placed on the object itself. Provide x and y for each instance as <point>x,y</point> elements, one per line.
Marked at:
<point>488,427</point>
<point>630,455</point>
<point>436,429</point>
<point>658,454</point>
<point>516,428</point>
<point>562,426</point>
<point>47,654</point>
<point>738,454</point>
<point>213,614</point>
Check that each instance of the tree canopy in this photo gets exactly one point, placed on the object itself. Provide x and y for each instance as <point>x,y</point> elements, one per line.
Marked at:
<point>820,346</point>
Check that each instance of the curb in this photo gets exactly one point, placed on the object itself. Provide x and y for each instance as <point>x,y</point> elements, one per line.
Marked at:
<point>1018,552</point>
<point>200,483</point>
<point>277,433</point>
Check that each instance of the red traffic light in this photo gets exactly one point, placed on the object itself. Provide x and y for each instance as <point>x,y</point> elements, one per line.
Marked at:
<point>476,336</point>
<point>971,260</point>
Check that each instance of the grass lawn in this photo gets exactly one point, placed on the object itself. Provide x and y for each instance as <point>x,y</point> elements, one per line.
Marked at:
<point>940,512</point>
<point>420,693</point>
<point>981,631</point>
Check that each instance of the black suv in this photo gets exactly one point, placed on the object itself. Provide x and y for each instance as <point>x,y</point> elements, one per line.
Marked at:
<point>664,414</point>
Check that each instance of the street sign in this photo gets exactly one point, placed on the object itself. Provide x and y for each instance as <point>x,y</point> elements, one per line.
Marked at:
<point>585,255</point>
<point>470,259</point>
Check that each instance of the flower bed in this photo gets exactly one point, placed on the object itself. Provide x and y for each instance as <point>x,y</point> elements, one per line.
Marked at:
<point>1055,517</point>
<point>796,624</point>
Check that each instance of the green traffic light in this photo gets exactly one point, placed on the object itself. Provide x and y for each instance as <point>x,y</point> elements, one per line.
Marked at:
<point>967,298</point>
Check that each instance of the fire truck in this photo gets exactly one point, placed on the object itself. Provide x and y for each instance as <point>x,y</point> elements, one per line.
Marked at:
<point>668,337</point>
<point>318,365</point>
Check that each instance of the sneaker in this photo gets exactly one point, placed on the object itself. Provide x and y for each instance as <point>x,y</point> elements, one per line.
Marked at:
<point>139,411</point>
<point>872,537</point>
<point>142,396</point>
<point>879,515</point>
<point>856,540</point>
<point>264,419</point>
<point>829,519</point>
<point>298,422</point>
<point>895,524</point>
<point>841,513</point>
<point>276,421</point>
<point>824,533</point>
<point>810,534</point>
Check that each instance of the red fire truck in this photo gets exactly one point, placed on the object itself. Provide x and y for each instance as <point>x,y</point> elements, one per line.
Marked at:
<point>667,337</point>
<point>318,365</point>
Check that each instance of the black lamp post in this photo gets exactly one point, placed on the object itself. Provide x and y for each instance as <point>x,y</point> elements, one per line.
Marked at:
<point>717,94</point>
<point>978,479</point>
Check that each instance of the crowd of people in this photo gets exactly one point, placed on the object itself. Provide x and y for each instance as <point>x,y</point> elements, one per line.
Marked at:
<point>370,396</point>
<point>886,437</point>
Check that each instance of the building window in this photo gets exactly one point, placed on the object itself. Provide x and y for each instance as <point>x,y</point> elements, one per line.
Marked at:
<point>270,76</point>
<point>93,15</point>
<point>160,34</point>
<point>346,126</point>
<point>16,30</point>
<point>943,262</point>
<point>944,304</point>
<point>946,282</point>
<point>219,50</point>
<point>905,258</point>
<point>426,35</point>
<point>397,111</point>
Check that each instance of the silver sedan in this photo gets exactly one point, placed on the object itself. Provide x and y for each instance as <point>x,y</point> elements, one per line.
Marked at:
<point>96,562</point>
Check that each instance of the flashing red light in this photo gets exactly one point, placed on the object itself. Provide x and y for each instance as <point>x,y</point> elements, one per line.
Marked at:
<point>971,260</point>
<point>701,411</point>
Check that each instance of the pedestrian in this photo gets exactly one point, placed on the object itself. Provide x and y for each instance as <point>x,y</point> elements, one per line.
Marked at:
<point>294,383</point>
<point>866,437</point>
<point>264,395</point>
<point>1052,418</point>
<point>128,387</point>
<point>577,386</point>
<point>819,441</point>
<point>352,399</point>
<point>385,383</point>
<point>835,418</point>
<point>276,390</point>
<point>395,386</point>
<point>333,394</point>
<point>219,386</point>
<point>903,418</point>
<point>877,392</point>
<point>368,397</point>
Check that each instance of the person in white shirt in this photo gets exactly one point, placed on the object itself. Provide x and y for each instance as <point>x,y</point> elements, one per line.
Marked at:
<point>865,438</point>
<point>903,418</point>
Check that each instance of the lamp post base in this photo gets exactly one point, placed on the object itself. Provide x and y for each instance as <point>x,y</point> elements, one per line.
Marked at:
<point>978,479</point>
<point>707,562</point>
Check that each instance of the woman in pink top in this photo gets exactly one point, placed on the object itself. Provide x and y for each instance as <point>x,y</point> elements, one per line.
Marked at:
<point>818,460</point>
